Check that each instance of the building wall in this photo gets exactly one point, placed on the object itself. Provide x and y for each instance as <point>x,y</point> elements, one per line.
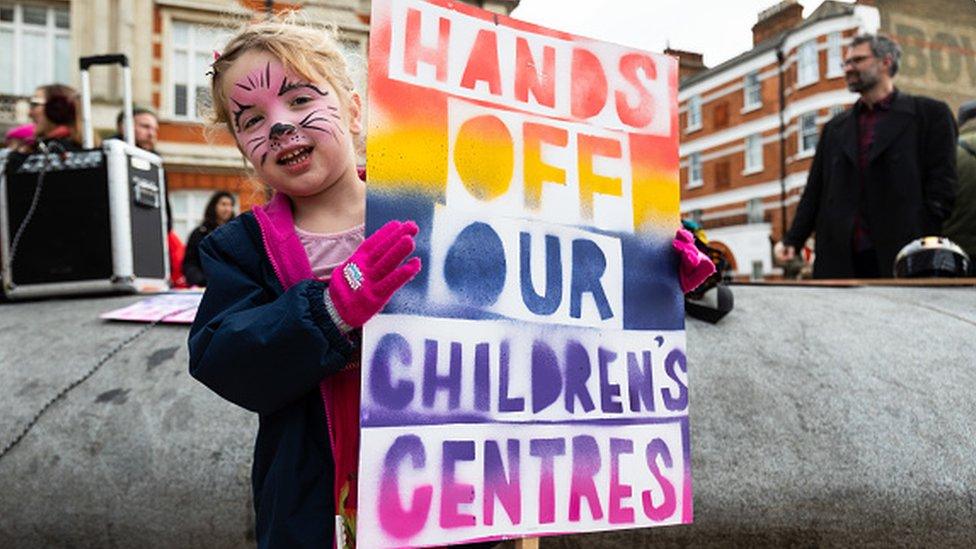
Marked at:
<point>938,40</point>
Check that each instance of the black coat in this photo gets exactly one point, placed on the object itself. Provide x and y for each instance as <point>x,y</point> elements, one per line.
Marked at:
<point>192,269</point>
<point>909,184</point>
<point>246,331</point>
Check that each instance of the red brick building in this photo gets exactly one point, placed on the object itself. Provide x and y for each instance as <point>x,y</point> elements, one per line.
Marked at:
<point>749,126</point>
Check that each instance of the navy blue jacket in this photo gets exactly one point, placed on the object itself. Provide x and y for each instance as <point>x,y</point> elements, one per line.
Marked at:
<point>267,349</point>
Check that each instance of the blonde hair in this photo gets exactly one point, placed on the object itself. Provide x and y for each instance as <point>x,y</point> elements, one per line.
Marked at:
<point>310,50</point>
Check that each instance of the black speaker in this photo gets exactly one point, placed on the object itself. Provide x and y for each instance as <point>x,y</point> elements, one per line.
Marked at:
<point>97,222</point>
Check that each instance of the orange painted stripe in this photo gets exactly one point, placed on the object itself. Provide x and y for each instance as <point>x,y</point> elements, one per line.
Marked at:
<point>191,132</point>
<point>249,192</point>
<point>191,180</point>
<point>260,6</point>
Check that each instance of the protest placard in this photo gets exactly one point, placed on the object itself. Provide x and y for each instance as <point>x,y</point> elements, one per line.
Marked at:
<point>532,379</point>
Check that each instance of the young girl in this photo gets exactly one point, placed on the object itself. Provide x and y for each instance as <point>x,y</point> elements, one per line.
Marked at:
<point>290,283</point>
<point>275,330</point>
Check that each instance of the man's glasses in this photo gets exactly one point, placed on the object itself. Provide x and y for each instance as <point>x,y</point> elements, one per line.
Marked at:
<point>856,60</point>
<point>37,102</point>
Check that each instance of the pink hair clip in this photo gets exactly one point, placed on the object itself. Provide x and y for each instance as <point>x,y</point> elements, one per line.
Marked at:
<point>213,71</point>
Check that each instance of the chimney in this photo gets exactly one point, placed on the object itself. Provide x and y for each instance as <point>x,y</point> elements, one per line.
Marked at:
<point>689,62</point>
<point>772,21</point>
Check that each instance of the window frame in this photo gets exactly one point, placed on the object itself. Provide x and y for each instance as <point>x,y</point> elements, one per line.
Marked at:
<point>752,164</point>
<point>802,151</point>
<point>694,106</point>
<point>747,89</point>
<point>191,80</point>
<point>755,211</point>
<point>694,160</point>
<point>812,65</point>
<point>835,55</point>
<point>51,32</point>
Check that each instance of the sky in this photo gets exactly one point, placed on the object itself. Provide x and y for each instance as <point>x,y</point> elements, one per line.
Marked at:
<point>720,29</point>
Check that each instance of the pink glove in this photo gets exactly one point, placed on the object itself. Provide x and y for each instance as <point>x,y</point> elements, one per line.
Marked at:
<point>695,266</point>
<point>360,287</point>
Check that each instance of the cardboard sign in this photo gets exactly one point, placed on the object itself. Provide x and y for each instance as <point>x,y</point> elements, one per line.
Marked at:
<point>532,379</point>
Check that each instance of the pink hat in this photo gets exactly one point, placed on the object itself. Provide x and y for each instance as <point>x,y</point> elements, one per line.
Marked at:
<point>23,133</point>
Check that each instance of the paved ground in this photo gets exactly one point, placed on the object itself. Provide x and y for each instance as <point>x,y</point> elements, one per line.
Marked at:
<point>819,417</point>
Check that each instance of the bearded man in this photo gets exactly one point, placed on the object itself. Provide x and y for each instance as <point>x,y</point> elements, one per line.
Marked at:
<point>883,175</point>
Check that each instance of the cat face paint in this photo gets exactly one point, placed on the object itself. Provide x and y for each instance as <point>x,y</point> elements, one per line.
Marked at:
<point>293,131</point>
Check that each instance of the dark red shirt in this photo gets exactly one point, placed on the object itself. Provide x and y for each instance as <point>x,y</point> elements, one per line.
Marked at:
<point>867,121</point>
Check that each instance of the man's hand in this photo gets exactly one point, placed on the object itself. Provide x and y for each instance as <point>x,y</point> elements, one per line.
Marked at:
<point>783,252</point>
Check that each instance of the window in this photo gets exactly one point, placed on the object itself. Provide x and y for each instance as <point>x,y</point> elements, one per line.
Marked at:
<point>694,113</point>
<point>696,216</point>
<point>694,170</point>
<point>835,66</point>
<point>837,109</point>
<point>808,133</point>
<point>807,63</point>
<point>191,53</point>
<point>754,210</point>
<point>754,153</point>
<point>188,210</point>
<point>752,93</point>
<point>36,45</point>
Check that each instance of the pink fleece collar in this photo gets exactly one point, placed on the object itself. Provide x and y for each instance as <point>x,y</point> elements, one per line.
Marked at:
<point>281,243</point>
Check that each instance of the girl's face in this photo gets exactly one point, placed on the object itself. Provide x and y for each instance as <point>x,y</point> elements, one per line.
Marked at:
<point>295,132</point>
<point>224,210</point>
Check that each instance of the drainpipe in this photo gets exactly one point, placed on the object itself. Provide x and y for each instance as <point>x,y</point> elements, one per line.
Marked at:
<point>269,9</point>
<point>781,62</point>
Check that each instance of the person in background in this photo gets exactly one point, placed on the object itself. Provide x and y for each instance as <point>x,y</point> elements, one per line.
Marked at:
<point>961,225</point>
<point>19,136</point>
<point>54,111</point>
<point>146,127</point>
<point>219,210</point>
<point>883,175</point>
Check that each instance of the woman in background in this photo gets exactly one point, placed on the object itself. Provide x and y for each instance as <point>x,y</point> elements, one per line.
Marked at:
<point>54,111</point>
<point>219,210</point>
